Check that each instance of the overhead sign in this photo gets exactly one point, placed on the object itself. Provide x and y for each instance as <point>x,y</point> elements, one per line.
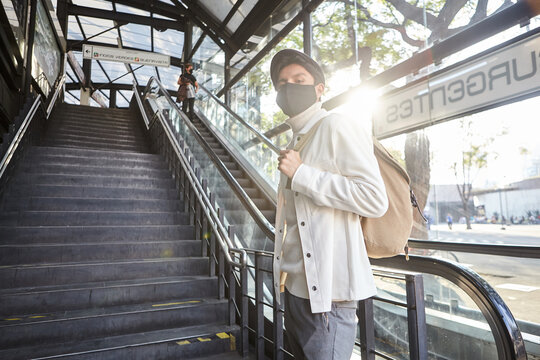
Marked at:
<point>502,75</point>
<point>125,56</point>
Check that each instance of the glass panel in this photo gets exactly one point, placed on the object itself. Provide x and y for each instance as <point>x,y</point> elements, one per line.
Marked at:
<point>136,36</point>
<point>96,4</point>
<point>248,233</point>
<point>73,97</point>
<point>117,72</point>
<point>131,10</point>
<point>169,42</point>
<point>47,57</point>
<point>260,156</point>
<point>16,13</point>
<point>452,318</point>
<point>74,31</point>
<point>98,76</point>
<point>93,26</point>
<point>240,15</point>
<point>169,77</point>
<point>123,98</point>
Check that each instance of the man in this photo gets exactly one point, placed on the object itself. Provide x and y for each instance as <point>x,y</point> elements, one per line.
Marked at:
<point>319,249</point>
<point>192,88</point>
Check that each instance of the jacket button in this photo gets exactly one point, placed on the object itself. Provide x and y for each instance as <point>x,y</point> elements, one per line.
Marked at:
<point>308,255</point>
<point>298,138</point>
<point>280,230</point>
<point>303,223</point>
<point>295,194</point>
<point>277,257</point>
<point>314,288</point>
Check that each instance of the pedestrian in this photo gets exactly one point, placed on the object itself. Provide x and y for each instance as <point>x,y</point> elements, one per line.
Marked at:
<point>320,259</point>
<point>449,220</point>
<point>187,90</point>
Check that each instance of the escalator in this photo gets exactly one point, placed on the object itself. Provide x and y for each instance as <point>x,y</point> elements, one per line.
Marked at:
<point>218,130</point>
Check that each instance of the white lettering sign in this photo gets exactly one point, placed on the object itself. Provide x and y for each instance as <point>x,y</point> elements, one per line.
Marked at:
<point>125,56</point>
<point>505,74</point>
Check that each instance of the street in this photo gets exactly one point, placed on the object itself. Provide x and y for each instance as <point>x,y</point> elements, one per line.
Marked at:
<point>517,280</point>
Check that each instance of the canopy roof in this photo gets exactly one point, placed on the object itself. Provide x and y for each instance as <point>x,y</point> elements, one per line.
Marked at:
<point>233,29</point>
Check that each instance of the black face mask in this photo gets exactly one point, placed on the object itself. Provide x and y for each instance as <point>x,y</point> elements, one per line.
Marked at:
<point>295,98</point>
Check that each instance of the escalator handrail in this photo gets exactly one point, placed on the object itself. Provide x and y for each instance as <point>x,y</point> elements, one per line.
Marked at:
<point>257,133</point>
<point>520,251</point>
<point>506,333</point>
<point>19,135</point>
<point>252,209</point>
<point>509,342</point>
<point>220,232</point>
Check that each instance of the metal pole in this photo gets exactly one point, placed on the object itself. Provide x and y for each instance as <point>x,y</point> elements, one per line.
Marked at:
<point>416,317</point>
<point>259,307</point>
<point>307,29</point>
<point>367,329</point>
<point>501,209</point>
<point>30,47</point>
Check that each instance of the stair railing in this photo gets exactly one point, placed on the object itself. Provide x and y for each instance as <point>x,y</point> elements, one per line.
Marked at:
<point>226,261</point>
<point>32,116</point>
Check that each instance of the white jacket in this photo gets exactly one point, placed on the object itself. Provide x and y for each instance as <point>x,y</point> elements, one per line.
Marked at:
<point>338,180</point>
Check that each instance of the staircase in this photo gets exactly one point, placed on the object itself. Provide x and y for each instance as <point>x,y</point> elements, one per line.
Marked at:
<point>97,257</point>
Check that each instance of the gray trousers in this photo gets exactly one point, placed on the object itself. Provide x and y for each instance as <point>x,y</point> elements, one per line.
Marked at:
<point>321,336</point>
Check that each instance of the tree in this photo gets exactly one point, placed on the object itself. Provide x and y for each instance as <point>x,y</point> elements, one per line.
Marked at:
<point>474,157</point>
<point>383,27</point>
<point>418,168</point>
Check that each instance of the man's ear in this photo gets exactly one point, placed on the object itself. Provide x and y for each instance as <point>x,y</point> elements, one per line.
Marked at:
<point>319,90</point>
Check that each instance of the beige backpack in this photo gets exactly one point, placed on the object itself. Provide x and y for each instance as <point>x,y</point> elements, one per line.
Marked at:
<point>387,235</point>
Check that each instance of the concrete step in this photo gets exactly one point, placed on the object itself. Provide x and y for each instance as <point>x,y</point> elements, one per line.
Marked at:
<point>80,325</point>
<point>188,342</point>
<point>125,139</point>
<point>142,172</point>
<point>85,204</point>
<point>24,302</point>
<point>85,233</point>
<point>85,218</point>
<point>118,162</point>
<point>96,181</point>
<point>18,276</point>
<point>74,191</point>
<point>95,145</point>
<point>93,154</point>
<point>101,251</point>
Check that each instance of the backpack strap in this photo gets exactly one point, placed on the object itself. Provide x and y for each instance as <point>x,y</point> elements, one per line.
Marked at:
<point>304,139</point>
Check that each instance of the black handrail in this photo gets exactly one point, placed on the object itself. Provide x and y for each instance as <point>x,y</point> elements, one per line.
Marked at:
<point>520,251</point>
<point>508,339</point>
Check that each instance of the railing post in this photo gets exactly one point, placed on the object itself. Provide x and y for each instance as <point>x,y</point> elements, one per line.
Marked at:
<point>204,225</point>
<point>278,326</point>
<point>244,311</point>
<point>221,264</point>
<point>212,246</point>
<point>232,286</point>
<point>197,208</point>
<point>259,306</point>
<point>367,329</point>
<point>416,317</point>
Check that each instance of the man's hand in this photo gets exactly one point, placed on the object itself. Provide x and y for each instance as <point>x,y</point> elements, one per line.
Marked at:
<point>289,162</point>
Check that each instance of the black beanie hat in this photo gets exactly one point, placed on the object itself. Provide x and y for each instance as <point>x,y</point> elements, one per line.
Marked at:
<point>291,56</point>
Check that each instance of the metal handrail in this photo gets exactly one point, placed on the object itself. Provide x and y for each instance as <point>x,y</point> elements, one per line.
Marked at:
<point>257,133</point>
<point>521,251</point>
<point>238,190</point>
<point>19,136</point>
<point>221,233</point>
<point>59,85</point>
